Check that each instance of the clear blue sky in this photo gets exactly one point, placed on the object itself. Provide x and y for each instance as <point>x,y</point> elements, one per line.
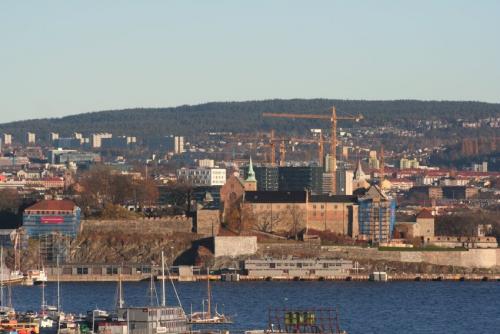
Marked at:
<point>66,57</point>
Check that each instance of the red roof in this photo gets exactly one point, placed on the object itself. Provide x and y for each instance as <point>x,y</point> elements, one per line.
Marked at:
<point>52,205</point>
<point>425,214</point>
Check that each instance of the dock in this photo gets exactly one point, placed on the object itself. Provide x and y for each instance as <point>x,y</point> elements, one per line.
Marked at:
<point>245,278</point>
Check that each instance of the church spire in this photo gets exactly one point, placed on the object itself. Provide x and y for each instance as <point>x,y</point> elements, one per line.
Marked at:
<point>251,173</point>
<point>250,183</point>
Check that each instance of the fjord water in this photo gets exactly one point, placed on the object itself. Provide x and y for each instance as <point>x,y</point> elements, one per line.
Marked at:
<point>364,307</point>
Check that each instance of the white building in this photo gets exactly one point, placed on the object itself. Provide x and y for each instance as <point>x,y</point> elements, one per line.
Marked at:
<point>405,163</point>
<point>207,163</point>
<point>483,167</point>
<point>96,139</point>
<point>178,145</point>
<point>53,136</point>
<point>79,136</point>
<point>7,139</point>
<point>30,138</point>
<point>344,180</point>
<point>202,176</point>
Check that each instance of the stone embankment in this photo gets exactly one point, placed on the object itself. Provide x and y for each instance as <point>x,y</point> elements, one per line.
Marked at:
<point>372,259</point>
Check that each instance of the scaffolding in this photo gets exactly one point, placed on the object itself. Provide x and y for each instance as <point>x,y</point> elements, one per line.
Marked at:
<point>53,245</point>
<point>315,320</point>
<point>377,219</point>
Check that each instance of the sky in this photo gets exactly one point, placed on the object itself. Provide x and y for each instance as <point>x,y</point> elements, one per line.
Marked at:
<point>67,57</point>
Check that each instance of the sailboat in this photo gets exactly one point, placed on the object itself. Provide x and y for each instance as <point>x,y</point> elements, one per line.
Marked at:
<point>16,275</point>
<point>6,312</point>
<point>207,317</point>
<point>162,319</point>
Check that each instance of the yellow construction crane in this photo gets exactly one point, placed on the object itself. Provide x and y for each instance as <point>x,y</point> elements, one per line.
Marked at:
<point>321,146</point>
<point>333,142</point>
<point>272,146</point>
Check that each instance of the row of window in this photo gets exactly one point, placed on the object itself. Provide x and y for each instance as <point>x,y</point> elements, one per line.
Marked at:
<point>302,265</point>
<point>286,206</point>
<point>43,212</point>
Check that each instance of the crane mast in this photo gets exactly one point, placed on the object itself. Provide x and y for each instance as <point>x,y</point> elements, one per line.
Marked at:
<point>333,137</point>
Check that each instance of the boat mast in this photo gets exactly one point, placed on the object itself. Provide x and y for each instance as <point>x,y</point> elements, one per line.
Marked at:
<point>58,286</point>
<point>120,292</point>
<point>17,257</point>
<point>209,301</point>
<point>44,305</point>
<point>1,275</point>
<point>163,297</point>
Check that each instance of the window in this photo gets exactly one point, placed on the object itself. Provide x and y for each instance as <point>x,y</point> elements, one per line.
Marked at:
<point>111,271</point>
<point>82,271</point>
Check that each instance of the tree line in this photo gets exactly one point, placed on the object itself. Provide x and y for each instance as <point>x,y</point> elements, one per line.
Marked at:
<point>247,117</point>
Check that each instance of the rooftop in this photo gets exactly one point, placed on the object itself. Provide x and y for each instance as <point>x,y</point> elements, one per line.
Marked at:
<point>275,196</point>
<point>425,214</point>
<point>52,205</point>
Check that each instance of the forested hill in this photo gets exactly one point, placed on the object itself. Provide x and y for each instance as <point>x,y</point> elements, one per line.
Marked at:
<point>246,117</point>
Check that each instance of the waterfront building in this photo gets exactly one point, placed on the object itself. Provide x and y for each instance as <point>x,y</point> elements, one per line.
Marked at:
<point>463,241</point>
<point>49,216</point>
<point>301,268</point>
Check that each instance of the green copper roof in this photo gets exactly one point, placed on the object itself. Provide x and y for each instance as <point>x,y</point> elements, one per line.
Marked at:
<point>251,173</point>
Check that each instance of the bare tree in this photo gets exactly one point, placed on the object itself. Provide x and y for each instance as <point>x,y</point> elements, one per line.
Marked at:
<point>296,217</point>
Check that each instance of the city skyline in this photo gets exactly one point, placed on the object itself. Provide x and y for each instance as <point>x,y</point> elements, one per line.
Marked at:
<point>61,59</point>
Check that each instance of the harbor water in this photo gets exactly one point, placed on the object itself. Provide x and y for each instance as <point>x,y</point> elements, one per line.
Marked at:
<point>364,307</point>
